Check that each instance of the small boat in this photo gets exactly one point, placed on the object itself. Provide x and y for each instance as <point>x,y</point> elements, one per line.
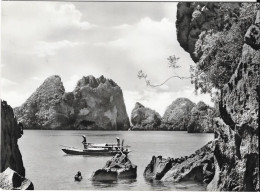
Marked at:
<point>102,149</point>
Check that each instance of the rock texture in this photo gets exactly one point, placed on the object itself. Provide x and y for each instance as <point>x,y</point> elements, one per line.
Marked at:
<point>144,118</point>
<point>236,151</point>
<point>10,133</point>
<point>197,167</point>
<point>177,115</point>
<point>95,103</point>
<point>11,180</point>
<point>201,120</point>
<point>119,167</point>
<point>194,18</point>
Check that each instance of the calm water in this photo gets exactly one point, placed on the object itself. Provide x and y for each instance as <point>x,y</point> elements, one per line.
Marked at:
<point>50,168</point>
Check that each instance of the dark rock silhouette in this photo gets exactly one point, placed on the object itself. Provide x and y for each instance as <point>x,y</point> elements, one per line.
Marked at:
<point>10,133</point>
<point>11,180</point>
<point>95,103</point>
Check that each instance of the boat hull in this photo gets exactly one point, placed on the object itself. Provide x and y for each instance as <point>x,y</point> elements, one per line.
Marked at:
<point>91,152</point>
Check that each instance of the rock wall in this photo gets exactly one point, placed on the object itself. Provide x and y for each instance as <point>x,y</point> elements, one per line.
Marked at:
<point>195,17</point>
<point>10,133</point>
<point>236,150</point>
<point>95,103</point>
<point>144,118</point>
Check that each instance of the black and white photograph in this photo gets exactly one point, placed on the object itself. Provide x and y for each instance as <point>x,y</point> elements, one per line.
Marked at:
<point>130,95</point>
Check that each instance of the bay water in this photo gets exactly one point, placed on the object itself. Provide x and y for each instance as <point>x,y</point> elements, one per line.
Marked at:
<point>49,168</point>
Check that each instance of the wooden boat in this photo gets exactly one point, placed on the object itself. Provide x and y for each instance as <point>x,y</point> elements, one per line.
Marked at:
<point>97,149</point>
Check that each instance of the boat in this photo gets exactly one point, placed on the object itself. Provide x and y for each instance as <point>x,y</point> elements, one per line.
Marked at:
<point>103,149</point>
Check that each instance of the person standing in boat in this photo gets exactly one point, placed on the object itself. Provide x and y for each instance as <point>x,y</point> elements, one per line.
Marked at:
<point>84,142</point>
<point>118,142</point>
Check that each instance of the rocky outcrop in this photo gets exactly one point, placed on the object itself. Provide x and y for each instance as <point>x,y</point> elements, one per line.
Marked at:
<point>144,118</point>
<point>201,120</point>
<point>177,115</point>
<point>11,180</point>
<point>196,167</point>
<point>95,103</point>
<point>194,18</point>
<point>10,133</point>
<point>119,167</point>
<point>236,150</point>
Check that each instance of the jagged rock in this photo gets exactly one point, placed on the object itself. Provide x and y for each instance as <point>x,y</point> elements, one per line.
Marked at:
<point>144,118</point>
<point>197,167</point>
<point>11,180</point>
<point>119,167</point>
<point>95,103</point>
<point>104,175</point>
<point>201,120</point>
<point>177,115</point>
<point>10,133</point>
<point>236,153</point>
<point>157,168</point>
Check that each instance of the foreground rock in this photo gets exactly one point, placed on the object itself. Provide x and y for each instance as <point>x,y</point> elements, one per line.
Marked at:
<point>10,133</point>
<point>95,103</point>
<point>119,167</point>
<point>236,151</point>
<point>177,115</point>
<point>11,180</point>
<point>201,120</point>
<point>197,167</point>
<point>144,118</point>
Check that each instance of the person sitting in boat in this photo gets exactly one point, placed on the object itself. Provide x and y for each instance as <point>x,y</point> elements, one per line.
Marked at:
<point>78,176</point>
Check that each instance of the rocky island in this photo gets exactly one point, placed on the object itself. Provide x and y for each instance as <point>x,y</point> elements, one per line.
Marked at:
<point>177,115</point>
<point>181,115</point>
<point>144,118</point>
<point>94,104</point>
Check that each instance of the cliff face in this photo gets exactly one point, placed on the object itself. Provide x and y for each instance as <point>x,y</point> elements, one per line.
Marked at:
<point>95,103</point>
<point>144,118</point>
<point>10,133</point>
<point>194,18</point>
<point>177,115</point>
<point>237,131</point>
<point>201,120</point>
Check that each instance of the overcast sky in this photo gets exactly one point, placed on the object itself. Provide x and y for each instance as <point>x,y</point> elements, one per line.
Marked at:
<point>72,40</point>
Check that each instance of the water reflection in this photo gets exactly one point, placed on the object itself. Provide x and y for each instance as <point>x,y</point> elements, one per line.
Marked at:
<point>104,184</point>
<point>169,186</point>
<point>113,184</point>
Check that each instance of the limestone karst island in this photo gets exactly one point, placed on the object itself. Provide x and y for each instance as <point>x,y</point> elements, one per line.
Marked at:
<point>147,96</point>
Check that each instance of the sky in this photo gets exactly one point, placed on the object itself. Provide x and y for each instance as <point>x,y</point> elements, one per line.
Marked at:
<point>76,39</point>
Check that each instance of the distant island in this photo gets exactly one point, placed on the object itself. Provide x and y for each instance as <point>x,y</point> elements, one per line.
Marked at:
<point>94,104</point>
<point>181,115</point>
<point>98,104</point>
